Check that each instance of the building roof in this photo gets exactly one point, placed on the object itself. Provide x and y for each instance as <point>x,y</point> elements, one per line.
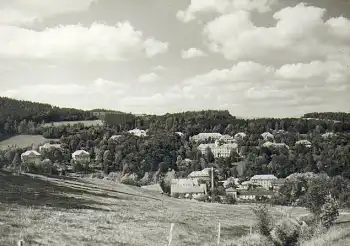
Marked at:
<point>231,189</point>
<point>48,145</point>
<point>267,135</point>
<point>255,192</point>
<point>263,176</point>
<point>280,145</point>
<point>31,152</point>
<point>303,142</point>
<point>114,137</point>
<point>240,134</point>
<point>79,152</point>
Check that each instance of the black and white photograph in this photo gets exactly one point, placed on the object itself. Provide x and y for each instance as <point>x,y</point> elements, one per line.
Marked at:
<point>174,122</point>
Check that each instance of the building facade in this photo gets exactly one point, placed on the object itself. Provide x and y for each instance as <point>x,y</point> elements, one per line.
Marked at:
<point>187,186</point>
<point>206,136</point>
<point>31,156</point>
<point>219,150</point>
<point>263,180</point>
<point>81,156</point>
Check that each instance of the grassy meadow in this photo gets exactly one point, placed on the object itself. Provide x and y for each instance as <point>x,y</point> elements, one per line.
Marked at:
<point>23,141</point>
<point>69,211</point>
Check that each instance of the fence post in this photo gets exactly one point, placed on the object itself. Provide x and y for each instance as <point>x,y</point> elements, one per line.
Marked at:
<point>20,243</point>
<point>219,229</point>
<point>171,233</point>
<point>251,230</point>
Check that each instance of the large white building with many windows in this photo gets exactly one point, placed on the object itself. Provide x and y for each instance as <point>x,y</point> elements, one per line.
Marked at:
<point>264,180</point>
<point>223,150</point>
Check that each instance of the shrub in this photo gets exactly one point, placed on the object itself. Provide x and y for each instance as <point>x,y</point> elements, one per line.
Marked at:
<point>175,195</point>
<point>230,199</point>
<point>251,240</point>
<point>264,219</point>
<point>202,198</point>
<point>286,232</point>
<point>329,212</point>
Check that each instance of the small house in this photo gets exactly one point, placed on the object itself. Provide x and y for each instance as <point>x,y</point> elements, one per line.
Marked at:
<point>31,156</point>
<point>49,146</point>
<point>205,174</point>
<point>81,156</point>
<point>254,195</point>
<point>187,186</point>
<point>231,191</point>
<point>139,133</point>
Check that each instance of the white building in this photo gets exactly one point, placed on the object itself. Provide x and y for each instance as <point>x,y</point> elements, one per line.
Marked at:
<point>240,136</point>
<point>264,180</point>
<point>179,134</point>
<point>328,135</point>
<point>227,139</point>
<point>267,136</point>
<point>137,132</point>
<point>276,145</point>
<point>187,186</point>
<point>206,136</point>
<point>306,143</point>
<point>115,137</point>
<point>49,146</point>
<point>81,156</point>
<point>204,174</point>
<point>31,156</point>
<point>218,150</point>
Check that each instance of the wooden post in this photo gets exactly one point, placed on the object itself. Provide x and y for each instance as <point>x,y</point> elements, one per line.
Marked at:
<point>212,178</point>
<point>219,229</point>
<point>171,233</point>
<point>20,243</point>
<point>251,230</point>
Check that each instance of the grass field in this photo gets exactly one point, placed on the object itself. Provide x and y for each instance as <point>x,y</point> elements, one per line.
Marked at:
<point>55,211</point>
<point>85,122</point>
<point>23,141</point>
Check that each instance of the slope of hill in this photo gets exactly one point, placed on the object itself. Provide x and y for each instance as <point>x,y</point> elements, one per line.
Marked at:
<point>52,211</point>
<point>23,141</point>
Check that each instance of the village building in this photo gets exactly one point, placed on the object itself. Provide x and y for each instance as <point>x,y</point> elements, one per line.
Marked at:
<point>227,139</point>
<point>31,156</point>
<point>231,191</point>
<point>49,146</point>
<point>219,150</point>
<point>328,135</point>
<point>205,174</point>
<point>179,134</point>
<point>254,195</point>
<point>244,185</point>
<point>264,180</point>
<point>81,156</point>
<point>277,184</point>
<point>305,143</point>
<point>187,186</point>
<point>139,133</point>
<point>205,137</point>
<point>115,137</point>
<point>269,144</point>
<point>240,136</point>
<point>267,136</point>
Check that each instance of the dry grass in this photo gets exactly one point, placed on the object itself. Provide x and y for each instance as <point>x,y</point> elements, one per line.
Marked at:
<point>338,235</point>
<point>53,211</point>
<point>23,141</point>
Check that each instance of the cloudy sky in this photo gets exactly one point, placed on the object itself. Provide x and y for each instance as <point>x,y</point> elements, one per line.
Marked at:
<point>252,57</point>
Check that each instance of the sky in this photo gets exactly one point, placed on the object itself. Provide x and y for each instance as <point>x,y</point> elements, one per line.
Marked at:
<point>255,58</point>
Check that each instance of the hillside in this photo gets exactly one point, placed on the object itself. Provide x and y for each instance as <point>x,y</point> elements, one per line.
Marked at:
<point>23,141</point>
<point>98,212</point>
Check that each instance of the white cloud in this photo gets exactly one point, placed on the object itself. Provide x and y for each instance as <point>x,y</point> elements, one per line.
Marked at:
<point>292,39</point>
<point>192,53</point>
<point>240,72</point>
<point>222,6</point>
<point>76,42</point>
<point>148,78</point>
<point>29,11</point>
<point>159,68</point>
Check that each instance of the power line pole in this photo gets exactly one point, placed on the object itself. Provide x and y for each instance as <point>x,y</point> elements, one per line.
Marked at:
<point>212,178</point>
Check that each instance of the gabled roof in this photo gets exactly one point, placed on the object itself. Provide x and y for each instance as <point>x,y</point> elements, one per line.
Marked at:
<point>31,152</point>
<point>79,152</point>
<point>263,176</point>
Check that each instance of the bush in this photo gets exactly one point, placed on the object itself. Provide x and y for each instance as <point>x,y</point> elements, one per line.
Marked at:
<point>175,195</point>
<point>286,232</point>
<point>264,219</point>
<point>329,212</point>
<point>251,240</point>
<point>202,198</point>
<point>230,199</point>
